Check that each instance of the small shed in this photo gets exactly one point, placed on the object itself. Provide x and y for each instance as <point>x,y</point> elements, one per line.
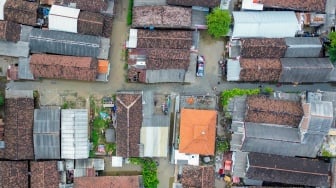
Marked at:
<point>110,135</point>
<point>2,5</point>
<point>63,18</point>
<point>233,70</point>
<point>64,43</point>
<point>74,134</point>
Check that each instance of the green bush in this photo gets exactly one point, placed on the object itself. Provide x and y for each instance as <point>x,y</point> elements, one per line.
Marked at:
<point>65,105</point>
<point>99,123</point>
<point>222,146</point>
<point>268,90</point>
<point>326,153</point>
<point>95,138</point>
<point>129,12</point>
<point>2,100</point>
<point>229,94</point>
<point>149,171</point>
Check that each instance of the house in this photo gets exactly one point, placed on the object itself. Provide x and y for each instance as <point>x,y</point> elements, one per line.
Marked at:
<point>158,56</point>
<point>305,70</point>
<point>296,5</point>
<point>10,31</point>
<point>198,176</point>
<point>14,174</point>
<point>276,47</point>
<point>259,69</point>
<point>288,170</point>
<point>93,6</point>
<point>200,3</point>
<point>64,43</point>
<point>129,121</point>
<point>20,11</point>
<point>63,18</point>
<point>155,126</point>
<point>74,134</point>
<point>280,126</point>
<point>108,181</point>
<point>44,174</point>
<point>63,67</point>
<point>265,24</point>
<point>90,23</point>
<point>197,135</point>
<point>46,133</point>
<point>18,129</point>
<point>161,17</point>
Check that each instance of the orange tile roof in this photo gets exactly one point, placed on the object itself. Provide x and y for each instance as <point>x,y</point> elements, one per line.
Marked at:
<point>107,181</point>
<point>102,66</point>
<point>198,131</point>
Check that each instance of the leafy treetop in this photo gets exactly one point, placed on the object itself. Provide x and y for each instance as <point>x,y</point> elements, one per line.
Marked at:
<point>218,22</point>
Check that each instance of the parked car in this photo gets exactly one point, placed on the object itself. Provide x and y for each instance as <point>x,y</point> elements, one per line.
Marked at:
<point>200,66</point>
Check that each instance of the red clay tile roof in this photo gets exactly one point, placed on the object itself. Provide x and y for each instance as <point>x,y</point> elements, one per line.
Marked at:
<point>202,3</point>
<point>44,174</point>
<point>14,174</point>
<point>265,110</point>
<point>164,39</point>
<point>129,121</point>
<point>140,74</point>
<point>19,115</point>
<point>107,182</point>
<point>64,67</point>
<point>10,31</point>
<point>198,176</point>
<point>2,129</point>
<point>299,5</point>
<point>263,47</point>
<point>161,16</point>
<point>21,11</point>
<point>90,23</point>
<point>197,135</point>
<point>260,69</point>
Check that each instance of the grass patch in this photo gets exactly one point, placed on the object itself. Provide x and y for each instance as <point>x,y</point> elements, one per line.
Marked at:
<point>229,94</point>
<point>130,12</point>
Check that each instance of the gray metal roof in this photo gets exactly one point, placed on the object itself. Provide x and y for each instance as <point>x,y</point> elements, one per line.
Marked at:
<point>12,93</point>
<point>198,17</point>
<point>47,133</point>
<point>321,118</point>
<point>59,42</point>
<point>24,69</point>
<point>149,2</point>
<point>165,75</point>
<point>239,163</point>
<point>104,49</point>
<point>303,47</point>
<point>98,164</point>
<point>74,134</point>
<point>272,132</point>
<point>25,32</point>
<point>19,49</point>
<point>305,70</point>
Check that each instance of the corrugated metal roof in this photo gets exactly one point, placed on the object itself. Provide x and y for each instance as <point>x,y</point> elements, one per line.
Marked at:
<point>198,17</point>
<point>321,118</point>
<point>19,49</point>
<point>269,24</point>
<point>305,70</point>
<point>12,93</point>
<point>233,70</point>
<point>63,18</point>
<point>149,2</point>
<point>58,42</point>
<point>303,47</point>
<point>74,134</point>
<point>239,163</point>
<point>237,108</point>
<point>272,132</point>
<point>24,69</point>
<point>132,39</point>
<point>47,133</point>
<point>165,75</point>
<point>25,32</point>
<point>104,49</point>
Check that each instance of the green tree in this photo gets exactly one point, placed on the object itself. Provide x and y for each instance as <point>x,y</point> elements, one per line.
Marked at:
<point>218,22</point>
<point>332,47</point>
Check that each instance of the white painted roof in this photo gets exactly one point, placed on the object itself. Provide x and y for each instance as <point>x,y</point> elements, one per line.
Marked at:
<point>2,5</point>
<point>193,159</point>
<point>233,70</point>
<point>64,11</point>
<point>249,5</point>
<point>133,38</point>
